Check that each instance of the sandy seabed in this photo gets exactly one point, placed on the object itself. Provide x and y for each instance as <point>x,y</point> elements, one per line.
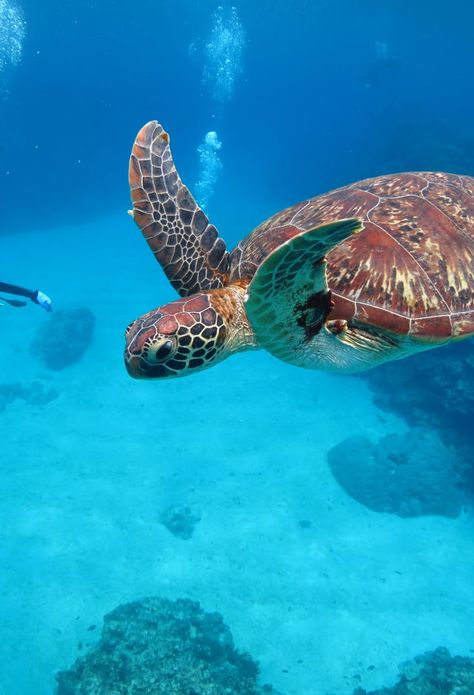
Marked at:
<point>324,607</point>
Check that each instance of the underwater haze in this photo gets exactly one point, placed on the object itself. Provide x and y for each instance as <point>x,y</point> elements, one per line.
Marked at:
<point>327,519</point>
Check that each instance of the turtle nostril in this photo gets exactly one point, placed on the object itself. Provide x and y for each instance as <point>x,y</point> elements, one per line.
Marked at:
<point>134,350</point>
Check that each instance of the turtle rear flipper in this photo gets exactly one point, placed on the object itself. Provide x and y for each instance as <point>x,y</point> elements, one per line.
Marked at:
<point>178,232</point>
<point>288,299</point>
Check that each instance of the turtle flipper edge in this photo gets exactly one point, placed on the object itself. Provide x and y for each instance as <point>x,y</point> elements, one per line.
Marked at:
<point>288,299</point>
<point>188,247</point>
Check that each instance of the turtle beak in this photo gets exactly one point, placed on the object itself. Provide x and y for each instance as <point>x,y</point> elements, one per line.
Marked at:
<point>132,364</point>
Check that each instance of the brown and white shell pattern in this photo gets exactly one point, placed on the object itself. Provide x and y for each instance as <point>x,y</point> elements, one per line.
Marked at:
<point>410,271</point>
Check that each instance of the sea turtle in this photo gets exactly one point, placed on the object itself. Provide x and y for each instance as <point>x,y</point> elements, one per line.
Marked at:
<point>371,272</point>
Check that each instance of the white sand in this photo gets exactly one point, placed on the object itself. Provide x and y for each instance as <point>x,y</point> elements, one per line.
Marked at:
<point>85,478</point>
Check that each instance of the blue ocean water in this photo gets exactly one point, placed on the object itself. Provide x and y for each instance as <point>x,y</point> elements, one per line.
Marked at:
<point>267,103</point>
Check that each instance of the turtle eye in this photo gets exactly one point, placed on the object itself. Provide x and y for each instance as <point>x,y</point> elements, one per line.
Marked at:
<point>163,351</point>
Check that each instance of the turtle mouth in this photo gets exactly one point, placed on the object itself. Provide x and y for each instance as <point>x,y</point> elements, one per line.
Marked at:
<point>139,368</point>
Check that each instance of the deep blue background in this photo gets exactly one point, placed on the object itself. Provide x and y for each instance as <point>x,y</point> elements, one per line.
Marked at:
<point>314,108</point>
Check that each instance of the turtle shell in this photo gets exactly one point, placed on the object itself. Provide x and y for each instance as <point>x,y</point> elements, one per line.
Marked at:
<point>411,269</point>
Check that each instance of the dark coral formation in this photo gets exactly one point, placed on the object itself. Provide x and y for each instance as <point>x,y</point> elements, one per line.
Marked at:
<point>36,394</point>
<point>433,389</point>
<point>180,521</point>
<point>432,673</point>
<point>409,475</point>
<point>160,647</point>
<point>64,338</point>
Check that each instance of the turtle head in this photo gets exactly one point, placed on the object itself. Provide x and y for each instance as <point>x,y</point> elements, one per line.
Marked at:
<point>184,336</point>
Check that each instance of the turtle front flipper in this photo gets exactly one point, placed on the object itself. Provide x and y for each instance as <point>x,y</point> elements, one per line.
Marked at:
<point>288,299</point>
<point>178,232</point>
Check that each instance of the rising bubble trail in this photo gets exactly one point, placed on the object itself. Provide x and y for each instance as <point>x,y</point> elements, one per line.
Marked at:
<point>223,53</point>
<point>209,167</point>
<point>12,34</point>
<point>222,65</point>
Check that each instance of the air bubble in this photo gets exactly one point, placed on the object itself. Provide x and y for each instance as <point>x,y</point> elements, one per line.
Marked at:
<point>12,34</point>
<point>209,167</point>
<point>223,52</point>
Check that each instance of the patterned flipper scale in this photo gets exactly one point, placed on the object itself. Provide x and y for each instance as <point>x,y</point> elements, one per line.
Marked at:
<point>288,299</point>
<point>187,246</point>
